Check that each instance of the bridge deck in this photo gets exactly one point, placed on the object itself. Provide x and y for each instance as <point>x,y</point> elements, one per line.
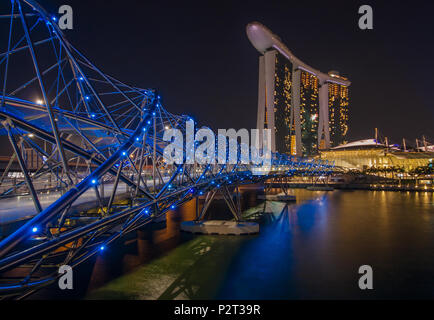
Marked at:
<point>21,207</point>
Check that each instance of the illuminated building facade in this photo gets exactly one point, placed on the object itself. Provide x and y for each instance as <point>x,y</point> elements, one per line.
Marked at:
<point>295,101</point>
<point>365,154</point>
<point>275,98</point>
<point>338,111</point>
<point>309,113</point>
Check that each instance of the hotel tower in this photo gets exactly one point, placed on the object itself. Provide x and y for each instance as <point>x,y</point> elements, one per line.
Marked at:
<point>306,109</point>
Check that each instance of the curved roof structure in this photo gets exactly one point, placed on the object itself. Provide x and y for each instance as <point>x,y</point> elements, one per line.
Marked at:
<point>372,143</point>
<point>263,39</point>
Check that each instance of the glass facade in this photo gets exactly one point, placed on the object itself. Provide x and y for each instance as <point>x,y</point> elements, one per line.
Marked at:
<point>309,113</point>
<point>338,113</point>
<point>282,104</point>
<point>297,119</point>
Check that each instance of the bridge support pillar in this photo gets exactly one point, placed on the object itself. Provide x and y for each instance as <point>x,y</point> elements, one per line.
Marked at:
<point>283,196</point>
<point>223,227</point>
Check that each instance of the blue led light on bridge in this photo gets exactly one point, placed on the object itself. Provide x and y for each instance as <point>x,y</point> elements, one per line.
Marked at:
<point>172,207</point>
<point>124,153</point>
<point>35,229</point>
<point>94,181</point>
<point>102,248</point>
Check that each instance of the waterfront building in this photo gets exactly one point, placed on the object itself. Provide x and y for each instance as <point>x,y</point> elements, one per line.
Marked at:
<point>309,113</point>
<point>365,154</point>
<point>306,110</point>
<point>338,111</point>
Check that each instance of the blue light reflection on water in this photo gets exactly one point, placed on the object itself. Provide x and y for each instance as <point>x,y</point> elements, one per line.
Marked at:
<point>314,250</point>
<point>310,250</point>
<point>266,265</point>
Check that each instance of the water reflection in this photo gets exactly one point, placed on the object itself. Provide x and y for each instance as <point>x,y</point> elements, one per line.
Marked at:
<point>309,249</point>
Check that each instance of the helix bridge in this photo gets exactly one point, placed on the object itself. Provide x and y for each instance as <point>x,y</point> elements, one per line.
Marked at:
<point>88,153</point>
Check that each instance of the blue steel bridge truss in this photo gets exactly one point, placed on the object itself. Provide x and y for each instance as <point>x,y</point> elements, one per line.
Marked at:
<point>90,153</point>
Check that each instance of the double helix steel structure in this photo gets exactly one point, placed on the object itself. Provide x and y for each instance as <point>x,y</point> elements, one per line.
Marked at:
<point>87,164</point>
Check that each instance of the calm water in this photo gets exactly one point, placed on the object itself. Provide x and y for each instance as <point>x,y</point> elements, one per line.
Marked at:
<point>311,249</point>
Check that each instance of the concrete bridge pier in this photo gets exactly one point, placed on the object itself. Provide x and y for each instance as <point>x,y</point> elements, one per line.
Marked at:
<point>285,195</point>
<point>221,227</point>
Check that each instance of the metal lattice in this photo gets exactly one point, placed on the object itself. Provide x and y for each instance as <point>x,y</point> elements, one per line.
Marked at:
<point>90,154</point>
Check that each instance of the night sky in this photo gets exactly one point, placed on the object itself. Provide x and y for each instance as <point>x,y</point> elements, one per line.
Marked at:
<point>198,56</point>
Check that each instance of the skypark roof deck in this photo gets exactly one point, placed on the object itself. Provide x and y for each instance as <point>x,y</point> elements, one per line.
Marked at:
<point>263,39</point>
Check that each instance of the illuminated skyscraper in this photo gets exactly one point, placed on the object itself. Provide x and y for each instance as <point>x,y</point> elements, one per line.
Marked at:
<point>306,109</point>
<point>275,98</point>
<point>309,113</point>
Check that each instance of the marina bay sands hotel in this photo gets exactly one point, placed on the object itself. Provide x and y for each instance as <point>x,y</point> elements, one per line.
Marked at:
<point>307,109</point>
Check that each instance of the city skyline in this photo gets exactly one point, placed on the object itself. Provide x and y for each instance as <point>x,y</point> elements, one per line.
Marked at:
<point>218,76</point>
